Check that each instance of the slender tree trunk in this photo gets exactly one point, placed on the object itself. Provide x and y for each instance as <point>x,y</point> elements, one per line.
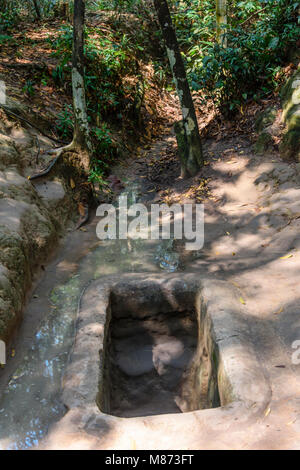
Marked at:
<point>37,9</point>
<point>187,131</point>
<point>221,20</point>
<point>63,8</point>
<point>81,138</point>
<point>3,5</point>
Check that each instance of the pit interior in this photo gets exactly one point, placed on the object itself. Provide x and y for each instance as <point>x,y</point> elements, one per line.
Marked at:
<point>159,354</point>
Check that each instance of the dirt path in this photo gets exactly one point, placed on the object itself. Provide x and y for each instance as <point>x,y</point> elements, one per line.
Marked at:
<point>252,223</point>
<point>251,240</point>
<point>63,264</point>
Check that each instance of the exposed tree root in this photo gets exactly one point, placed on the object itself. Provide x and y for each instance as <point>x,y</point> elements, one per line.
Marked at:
<point>84,218</point>
<point>58,152</point>
<point>5,108</point>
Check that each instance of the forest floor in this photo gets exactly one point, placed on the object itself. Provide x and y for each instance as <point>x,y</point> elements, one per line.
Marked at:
<point>252,222</point>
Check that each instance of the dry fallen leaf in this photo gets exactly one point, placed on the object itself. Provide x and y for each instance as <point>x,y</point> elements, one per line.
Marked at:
<point>81,209</point>
<point>72,183</point>
<point>242,301</point>
<point>236,284</point>
<point>286,257</point>
<point>279,311</point>
<point>133,444</point>
<point>267,412</point>
<point>291,422</point>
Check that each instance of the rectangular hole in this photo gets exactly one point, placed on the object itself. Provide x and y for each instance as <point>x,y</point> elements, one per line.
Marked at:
<point>156,363</point>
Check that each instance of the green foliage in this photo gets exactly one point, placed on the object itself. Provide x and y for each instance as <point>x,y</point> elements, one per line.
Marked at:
<point>103,144</point>
<point>244,69</point>
<point>104,140</point>
<point>8,19</point>
<point>28,88</point>
<point>122,6</point>
<point>259,37</point>
<point>64,122</point>
<point>5,39</point>
<point>13,11</point>
<point>125,5</point>
<point>107,61</point>
<point>104,153</point>
<point>97,172</point>
<point>194,22</point>
<point>62,44</point>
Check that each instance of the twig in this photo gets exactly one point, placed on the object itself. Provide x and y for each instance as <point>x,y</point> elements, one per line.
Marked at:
<point>38,152</point>
<point>254,14</point>
<point>58,151</point>
<point>32,125</point>
<point>25,65</point>
<point>45,171</point>
<point>84,219</point>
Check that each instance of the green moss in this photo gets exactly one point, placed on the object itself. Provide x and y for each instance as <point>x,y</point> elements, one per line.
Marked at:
<point>265,119</point>
<point>292,116</point>
<point>290,145</point>
<point>288,89</point>
<point>263,143</point>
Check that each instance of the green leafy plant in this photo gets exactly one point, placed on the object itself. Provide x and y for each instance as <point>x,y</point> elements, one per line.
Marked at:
<point>249,66</point>
<point>107,61</point>
<point>64,122</point>
<point>8,19</point>
<point>5,39</point>
<point>104,153</point>
<point>28,88</point>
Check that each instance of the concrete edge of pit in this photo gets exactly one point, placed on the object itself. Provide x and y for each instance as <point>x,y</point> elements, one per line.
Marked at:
<point>245,391</point>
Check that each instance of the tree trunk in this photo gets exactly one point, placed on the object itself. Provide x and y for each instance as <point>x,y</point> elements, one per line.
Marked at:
<point>62,9</point>
<point>81,138</point>
<point>188,138</point>
<point>37,9</point>
<point>4,5</point>
<point>221,20</point>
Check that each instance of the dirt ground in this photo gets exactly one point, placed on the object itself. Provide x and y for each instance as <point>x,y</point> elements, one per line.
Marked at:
<point>252,219</point>
<point>252,222</point>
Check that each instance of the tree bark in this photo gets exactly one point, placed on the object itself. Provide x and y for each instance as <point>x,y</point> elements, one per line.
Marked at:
<point>188,138</point>
<point>81,138</point>
<point>37,9</point>
<point>62,8</point>
<point>221,20</point>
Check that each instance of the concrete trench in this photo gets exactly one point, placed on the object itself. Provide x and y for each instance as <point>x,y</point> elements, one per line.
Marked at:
<point>135,379</point>
<point>121,391</point>
<point>155,359</point>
